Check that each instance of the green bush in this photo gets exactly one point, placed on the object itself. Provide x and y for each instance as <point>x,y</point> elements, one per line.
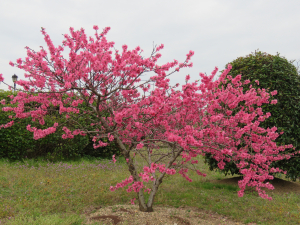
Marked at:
<point>273,73</point>
<point>17,142</point>
<point>105,152</point>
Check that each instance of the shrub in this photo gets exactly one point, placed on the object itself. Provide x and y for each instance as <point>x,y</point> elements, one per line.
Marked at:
<point>17,142</point>
<point>273,73</point>
<point>105,152</point>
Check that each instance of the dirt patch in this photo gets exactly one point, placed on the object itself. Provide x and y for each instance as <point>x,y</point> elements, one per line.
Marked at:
<point>130,214</point>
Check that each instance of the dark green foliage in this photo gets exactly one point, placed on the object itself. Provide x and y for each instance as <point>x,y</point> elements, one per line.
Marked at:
<point>103,152</point>
<point>89,151</point>
<point>17,142</point>
<point>273,73</point>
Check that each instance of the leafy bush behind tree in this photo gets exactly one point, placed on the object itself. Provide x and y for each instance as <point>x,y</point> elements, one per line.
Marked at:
<point>17,142</point>
<point>273,73</point>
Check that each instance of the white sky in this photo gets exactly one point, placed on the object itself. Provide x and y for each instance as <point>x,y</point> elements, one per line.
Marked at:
<point>218,31</point>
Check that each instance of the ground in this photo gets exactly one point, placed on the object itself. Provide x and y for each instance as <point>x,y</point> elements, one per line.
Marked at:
<point>129,214</point>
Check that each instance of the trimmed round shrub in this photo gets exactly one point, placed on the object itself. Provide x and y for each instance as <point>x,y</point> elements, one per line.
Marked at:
<point>273,73</point>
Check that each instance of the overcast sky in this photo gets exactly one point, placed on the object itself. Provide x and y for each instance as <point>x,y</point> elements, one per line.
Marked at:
<point>218,31</point>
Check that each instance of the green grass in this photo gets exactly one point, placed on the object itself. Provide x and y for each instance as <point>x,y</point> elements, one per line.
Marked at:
<point>40,192</point>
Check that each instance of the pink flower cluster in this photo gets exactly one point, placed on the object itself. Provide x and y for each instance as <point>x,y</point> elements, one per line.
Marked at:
<point>39,133</point>
<point>139,146</point>
<point>100,144</point>
<point>161,168</point>
<point>70,134</point>
<point>183,173</point>
<point>201,174</point>
<point>9,124</point>
<point>110,137</point>
<point>114,160</point>
<point>123,184</point>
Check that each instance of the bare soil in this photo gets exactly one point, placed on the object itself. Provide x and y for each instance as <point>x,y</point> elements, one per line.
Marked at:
<point>130,215</point>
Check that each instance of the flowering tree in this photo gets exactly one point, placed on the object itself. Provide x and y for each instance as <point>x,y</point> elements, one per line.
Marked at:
<point>138,123</point>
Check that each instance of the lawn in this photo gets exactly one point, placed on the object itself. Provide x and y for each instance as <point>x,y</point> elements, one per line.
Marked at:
<point>40,192</point>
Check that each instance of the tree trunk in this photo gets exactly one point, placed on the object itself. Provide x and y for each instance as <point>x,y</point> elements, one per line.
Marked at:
<point>142,205</point>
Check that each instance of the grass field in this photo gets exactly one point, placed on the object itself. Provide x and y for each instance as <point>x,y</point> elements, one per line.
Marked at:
<point>40,192</point>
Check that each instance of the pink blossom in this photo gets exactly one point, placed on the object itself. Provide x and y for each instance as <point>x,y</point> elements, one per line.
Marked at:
<point>139,146</point>
<point>114,160</point>
<point>273,93</point>
<point>132,201</point>
<point>274,101</point>
<point>112,188</point>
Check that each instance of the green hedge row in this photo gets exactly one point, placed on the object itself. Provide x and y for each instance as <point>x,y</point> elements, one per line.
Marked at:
<point>17,143</point>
